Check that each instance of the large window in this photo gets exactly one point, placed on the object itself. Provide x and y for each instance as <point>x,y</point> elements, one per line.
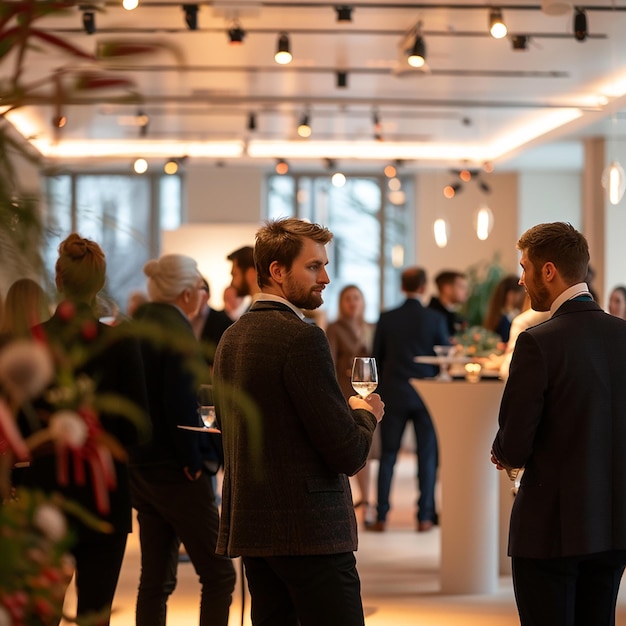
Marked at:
<point>371,227</point>
<point>123,213</point>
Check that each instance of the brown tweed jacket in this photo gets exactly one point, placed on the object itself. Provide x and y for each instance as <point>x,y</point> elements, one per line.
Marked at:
<point>290,439</point>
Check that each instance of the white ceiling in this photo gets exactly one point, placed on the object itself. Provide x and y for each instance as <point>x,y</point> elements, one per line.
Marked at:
<point>480,100</point>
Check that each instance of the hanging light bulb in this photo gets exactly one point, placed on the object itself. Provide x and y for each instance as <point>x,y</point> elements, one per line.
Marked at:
<point>140,166</point>
<point>304,127</point>
<point>483,222</point>
<point>338,179</point>
<point>614,181</point>
<point>417,55</point>
<point>440,229</point>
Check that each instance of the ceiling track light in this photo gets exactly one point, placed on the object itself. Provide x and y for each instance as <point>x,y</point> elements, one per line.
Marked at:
<point>497,27</point>
<point>378,127</point>
<point>282,167</point>
<point>344,13</point>
<point>89,20</point>
<point>283,54</point>
<point>191,16</point>
<point>304,127</point>
<point>252,121</point>
<point>142,120</point>
<point>520,42</point>
<point>170,167</point>
<point>236,34</point>
<point>342,79</point>
<point>580,24</point>
<point>417,54</point>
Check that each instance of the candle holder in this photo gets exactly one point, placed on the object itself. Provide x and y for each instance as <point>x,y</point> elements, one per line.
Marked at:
<point>472,372</point>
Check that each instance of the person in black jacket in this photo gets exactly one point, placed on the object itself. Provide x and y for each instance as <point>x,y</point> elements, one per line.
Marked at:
<point>170,480</point>
<point>112,361</point>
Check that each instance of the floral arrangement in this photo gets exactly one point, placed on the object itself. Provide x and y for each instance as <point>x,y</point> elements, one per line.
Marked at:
<point>477,341</point>
<point>35,568</point>
<point>41,386</point>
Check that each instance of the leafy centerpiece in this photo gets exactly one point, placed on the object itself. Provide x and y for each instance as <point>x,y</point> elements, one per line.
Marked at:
<point>477,341</point>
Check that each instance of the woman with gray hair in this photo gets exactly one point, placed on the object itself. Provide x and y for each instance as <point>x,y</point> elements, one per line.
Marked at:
<point>170,480</point>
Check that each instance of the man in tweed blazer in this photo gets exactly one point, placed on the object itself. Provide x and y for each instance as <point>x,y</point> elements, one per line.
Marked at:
<point>290,442</point>
<point>563,418</point>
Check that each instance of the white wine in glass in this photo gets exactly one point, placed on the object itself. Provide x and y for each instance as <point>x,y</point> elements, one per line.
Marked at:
<point>364,375</point>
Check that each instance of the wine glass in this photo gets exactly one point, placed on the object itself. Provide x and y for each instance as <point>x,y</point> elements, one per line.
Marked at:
<point>206,406</point>
<point>445,354</point>
<point>364,375</point>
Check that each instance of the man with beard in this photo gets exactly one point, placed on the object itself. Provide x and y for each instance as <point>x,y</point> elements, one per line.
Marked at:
<point>243,272</point>
<point>563,418</point>
<point>290,442</point>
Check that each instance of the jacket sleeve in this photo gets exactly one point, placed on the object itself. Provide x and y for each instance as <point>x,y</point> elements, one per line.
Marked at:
<point>522,403</point>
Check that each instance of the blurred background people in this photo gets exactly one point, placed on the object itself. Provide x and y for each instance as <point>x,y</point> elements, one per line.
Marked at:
<point>243,272</point>
<point>402,334</point>
<point>349,336</point>
<point>209,324</point>
<point>112,362</point>
<point>505,303</point>
<point>452,291</point>
<point>171,476</point>
<point>617,301</point>
<point>135,300</point>
<point>233,303</point>
<point>26,305</point>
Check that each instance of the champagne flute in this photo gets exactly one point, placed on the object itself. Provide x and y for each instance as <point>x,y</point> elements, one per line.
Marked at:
<point>206,406</point>
<point>364,375</point>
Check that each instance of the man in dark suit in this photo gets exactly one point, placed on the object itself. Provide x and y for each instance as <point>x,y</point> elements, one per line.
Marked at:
<point>452,292</point>
<point>290,442</point>
<point>402,334</point>
<point>563,418</point>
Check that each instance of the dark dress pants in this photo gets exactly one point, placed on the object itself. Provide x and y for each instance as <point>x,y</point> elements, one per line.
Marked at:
<point>391,431</point>
<point>568,591</point>
<point>305,590</point>
<point>98,562</point>
<point>171,509</point>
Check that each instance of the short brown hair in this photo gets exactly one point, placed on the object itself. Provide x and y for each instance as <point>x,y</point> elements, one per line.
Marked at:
<point>413,279</point>
<point>559,243</point>
<point>243,257</point>
<point>281,240</point>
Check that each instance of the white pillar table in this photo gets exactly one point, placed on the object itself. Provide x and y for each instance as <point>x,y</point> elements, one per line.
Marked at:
<point>465,416</point>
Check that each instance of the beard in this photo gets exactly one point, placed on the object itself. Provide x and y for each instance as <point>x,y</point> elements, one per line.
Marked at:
<point>540,299</point>
<point>301,297</point>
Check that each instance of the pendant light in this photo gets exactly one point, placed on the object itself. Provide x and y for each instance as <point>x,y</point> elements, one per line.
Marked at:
<point>614,181</point>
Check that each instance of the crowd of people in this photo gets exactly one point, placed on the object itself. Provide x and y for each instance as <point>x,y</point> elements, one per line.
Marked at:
<point>292,431</point>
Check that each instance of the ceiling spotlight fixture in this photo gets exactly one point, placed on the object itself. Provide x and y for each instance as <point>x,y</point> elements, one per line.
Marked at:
<point>282,167</point>
<point>344,13</point>
<point>89,21</point>
<point>497,27</point>
<point>59,120</point>
<point>330,164</point>
<point>283,53</point>
<point>449,191</point>
<point>252,120</point>
<point>304,127</point>
<point>580,24</point>
<point>140,166</point>
<point>342,79</point>
<point>236,34</point>
<point>417,54</point>
<point>378,127</point>
<point>338,179</point>
<point>191,16</point>
<point>520,42</point>
<point>130,5</point>
<point>390,171</point>
<point>142,120</point>
<point>465,175</point>
<point>171,167</point>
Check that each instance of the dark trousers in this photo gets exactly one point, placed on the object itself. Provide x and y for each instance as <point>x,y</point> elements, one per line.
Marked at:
<point>568,591</point>
<point>98,562</point>
<point>171,509</point>
<point>391,431</point>
<point>305,590</point>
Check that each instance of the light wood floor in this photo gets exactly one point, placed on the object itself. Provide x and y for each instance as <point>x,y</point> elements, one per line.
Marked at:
<point>398,570</point>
